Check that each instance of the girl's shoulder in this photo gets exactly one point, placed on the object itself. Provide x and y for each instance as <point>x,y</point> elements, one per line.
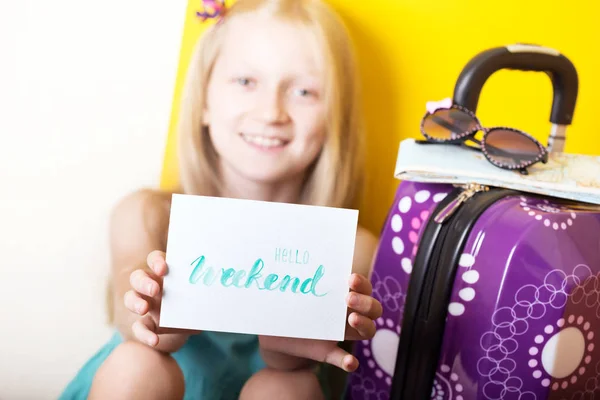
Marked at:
<point>364,252</point>
<point>145,199</point>
<point>146,203</point>
<point>143,214</point>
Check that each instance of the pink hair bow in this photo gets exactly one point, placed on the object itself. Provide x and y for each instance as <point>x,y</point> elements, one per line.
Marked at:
<point>431,106</point>
<point>212,9</point>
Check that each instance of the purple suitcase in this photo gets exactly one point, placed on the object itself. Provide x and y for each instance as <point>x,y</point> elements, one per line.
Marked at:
<point>499,301</point>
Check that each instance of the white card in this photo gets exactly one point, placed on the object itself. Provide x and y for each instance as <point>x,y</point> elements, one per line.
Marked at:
<point>258,267</point>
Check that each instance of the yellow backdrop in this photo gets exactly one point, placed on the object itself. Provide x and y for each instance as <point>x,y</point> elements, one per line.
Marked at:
<point>411,51</point>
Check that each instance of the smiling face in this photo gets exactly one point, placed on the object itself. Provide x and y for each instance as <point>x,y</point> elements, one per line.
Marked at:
<point>265,102</point>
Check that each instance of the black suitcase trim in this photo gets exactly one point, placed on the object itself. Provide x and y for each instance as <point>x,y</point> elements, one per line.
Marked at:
<point>428,295</point>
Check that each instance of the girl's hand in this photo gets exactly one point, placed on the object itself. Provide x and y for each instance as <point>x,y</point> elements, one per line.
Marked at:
<point>292,353</point>
<point>363,309</point>
<point>145,298</point>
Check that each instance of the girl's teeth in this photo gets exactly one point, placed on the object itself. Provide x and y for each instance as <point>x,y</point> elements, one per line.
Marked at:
<point>263,141</point>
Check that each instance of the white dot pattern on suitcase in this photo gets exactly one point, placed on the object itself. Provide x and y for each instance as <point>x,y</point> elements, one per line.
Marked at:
<point>565,354</point>
<point>447,387</point>
<point>386,338</point>
<point>469,276</point>
<point>401,221</point>
<point>560,352</point>
<point>408,220</point>
<point>551,215</point>
<point>376,351</point>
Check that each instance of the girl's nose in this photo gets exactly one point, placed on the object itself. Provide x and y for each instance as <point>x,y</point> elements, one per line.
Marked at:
<point>271,108</point>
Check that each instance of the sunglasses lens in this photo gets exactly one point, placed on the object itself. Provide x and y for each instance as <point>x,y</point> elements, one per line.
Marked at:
<point>447,124</point>
<point>510,148</point>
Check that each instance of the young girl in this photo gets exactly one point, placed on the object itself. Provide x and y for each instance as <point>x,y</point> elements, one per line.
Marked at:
<point>270,112</point>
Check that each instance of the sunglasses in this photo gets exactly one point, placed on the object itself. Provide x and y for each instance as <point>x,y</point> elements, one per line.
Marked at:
<point>506,148</point>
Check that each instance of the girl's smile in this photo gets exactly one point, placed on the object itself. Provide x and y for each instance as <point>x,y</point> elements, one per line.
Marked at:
<point>264,143</point>
<point>266,89</point>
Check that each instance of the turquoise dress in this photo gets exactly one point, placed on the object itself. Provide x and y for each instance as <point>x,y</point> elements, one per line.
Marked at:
<point>215,366</point>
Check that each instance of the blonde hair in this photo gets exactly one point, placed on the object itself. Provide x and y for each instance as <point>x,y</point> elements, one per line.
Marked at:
<point>336,177</point>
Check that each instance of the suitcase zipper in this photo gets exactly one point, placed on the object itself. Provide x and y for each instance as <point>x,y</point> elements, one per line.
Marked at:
<point>470,190</point>
<point>431,282</point>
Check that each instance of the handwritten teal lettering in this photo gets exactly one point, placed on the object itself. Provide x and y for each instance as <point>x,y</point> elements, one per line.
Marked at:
<point>210,277</point>
<point>291,256</point>
<point>197,271</point>
<point>239,275</point>
<point>227,274</point>
<point>200,272</point>
<point>230,277</point>
<point>277,254</point>
<point>286,281</point>
<point>255,273</point>
<point>312,282</point>
<point>270,280</point>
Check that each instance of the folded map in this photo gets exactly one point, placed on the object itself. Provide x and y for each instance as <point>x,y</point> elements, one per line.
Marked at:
<point>566,175</point>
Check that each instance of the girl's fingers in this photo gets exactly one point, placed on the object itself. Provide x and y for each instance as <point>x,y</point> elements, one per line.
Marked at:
<point>366,305</point>
<point>144,331</point>
<point>342,359</point>
<point>176,331</point>
<point>317,350</point>
<point>352,334</point>
<point>156,260</point>
<point>143,283</point>
<point>329,352</point>
<point>360,284</point>
<point>363,325</point>
<point>135,303</point>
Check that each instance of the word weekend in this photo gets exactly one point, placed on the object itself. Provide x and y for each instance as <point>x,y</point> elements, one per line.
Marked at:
<point>242,279</point>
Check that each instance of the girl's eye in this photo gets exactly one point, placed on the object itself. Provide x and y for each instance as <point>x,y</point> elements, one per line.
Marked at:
<point>244,81</point>
<point>303,92</point>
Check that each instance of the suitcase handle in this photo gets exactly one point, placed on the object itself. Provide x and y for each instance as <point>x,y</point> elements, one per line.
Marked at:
<point>524,57</point>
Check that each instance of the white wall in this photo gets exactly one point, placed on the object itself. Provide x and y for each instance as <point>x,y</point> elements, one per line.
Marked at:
<point>85,96</point>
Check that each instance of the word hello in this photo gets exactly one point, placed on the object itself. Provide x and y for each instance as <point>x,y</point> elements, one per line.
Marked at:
<point>291,256</point>
<point>254,278</point>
